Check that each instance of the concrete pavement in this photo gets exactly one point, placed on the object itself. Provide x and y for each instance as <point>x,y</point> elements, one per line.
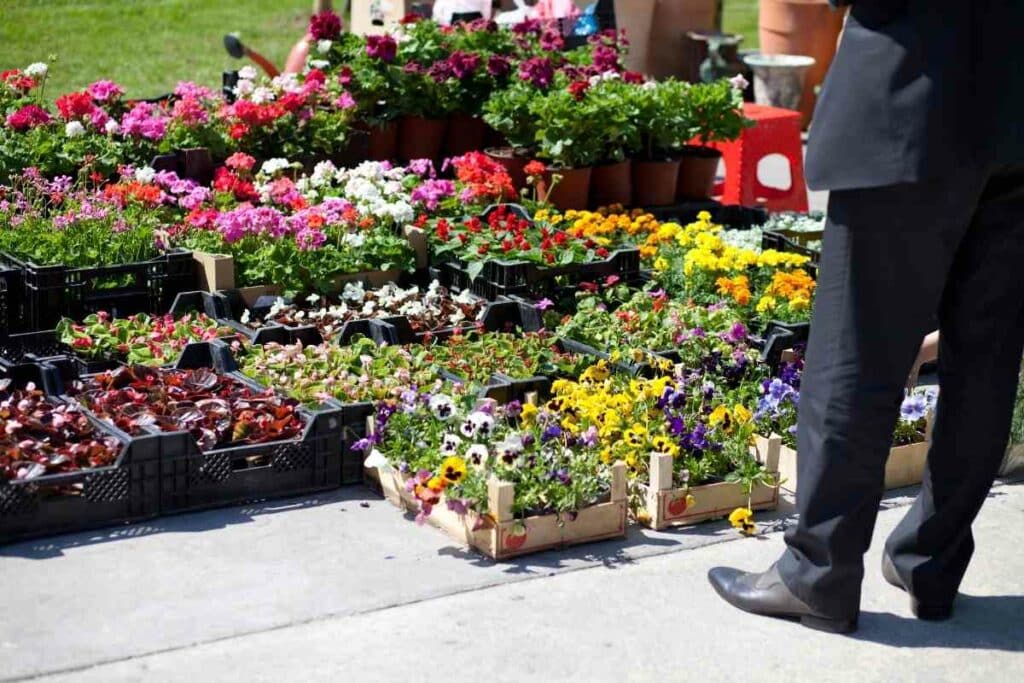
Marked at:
<point>332,590</point>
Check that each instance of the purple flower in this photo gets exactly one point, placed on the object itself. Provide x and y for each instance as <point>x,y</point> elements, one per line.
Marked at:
<point>551,432</point>
<point>589,437</point>
<point>458,506</point>
<point>539,71</point>
<point>551,41</point>
<point>914,408</point>
<point>498,66</point>
<point>737,334</point>
<point>544,304</point>
<point>424,168</point>
<point>431,192</point>
<point>606,59</point>
<point>514,409</point>
<point>561,476</point>
<point>382,47</point>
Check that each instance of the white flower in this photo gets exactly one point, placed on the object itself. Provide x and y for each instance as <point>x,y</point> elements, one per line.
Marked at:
<point>111,127</point>
<point>482,423</point>
<point>36,69</point>
<point>368,308</point>
<point>354,239</point>
<point>442,406</point>
<point>450,444</point>
<point>510,449</point>
<point>465,297</point>
<point>272,166</point>
<point>477,454</point>
<point>244,87</point>
<point>246,315</point>
<point>145,174</point>
<point>288,82</point>
<point>375,459</point>
<point>468,428</point>
<point>649,85</point>
<point>313,298</point>
<point>319,64</point>
<point>74,129</point>
<point>276,307</point>
<point>739,82</point>
<point>262,95</point>
<point>247,72</point>
<point>323,46</point>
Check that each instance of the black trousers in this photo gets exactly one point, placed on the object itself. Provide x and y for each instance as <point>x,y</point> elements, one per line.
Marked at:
<point>893,259</point>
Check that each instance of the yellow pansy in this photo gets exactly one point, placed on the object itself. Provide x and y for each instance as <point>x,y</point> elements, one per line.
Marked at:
<point>529,412</point>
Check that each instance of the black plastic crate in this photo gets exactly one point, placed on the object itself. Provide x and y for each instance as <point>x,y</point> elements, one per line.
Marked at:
<point>10,299</point>
<point>497,316</point>
<point>126,491</point>
<point>353,418</point>
<point>49,293</point>
<point>779,242</point>
<point>194,480</point>
<point>730,216</point>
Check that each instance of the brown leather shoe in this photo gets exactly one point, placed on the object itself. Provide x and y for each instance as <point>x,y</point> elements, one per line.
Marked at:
<point>923,611</point>
<point>767,595</point>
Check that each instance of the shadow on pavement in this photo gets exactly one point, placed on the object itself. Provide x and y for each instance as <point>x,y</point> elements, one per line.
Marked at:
<point>189,522</point>
<point>989,622</point>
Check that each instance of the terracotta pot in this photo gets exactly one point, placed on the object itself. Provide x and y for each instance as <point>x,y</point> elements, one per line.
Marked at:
<point>382,144</point>
<point>571,192</point>
<point>465,134</point>
<point>514,161</point>
<point>802,27</point>
<point>698,167</point>
<point>420,138</point>
<point>612,184</point>
<point>654,182</point>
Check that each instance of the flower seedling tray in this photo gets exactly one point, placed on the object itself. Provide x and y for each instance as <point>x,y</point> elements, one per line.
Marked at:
<point>192,479</point>
<point>49,293</point>
<point>126,491</point>
<point>667,506</point>
<point>507,278</point>
<point>497,316</point>
<point>498,535</point>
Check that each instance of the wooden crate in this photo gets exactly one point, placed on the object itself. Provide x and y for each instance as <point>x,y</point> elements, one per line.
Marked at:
<point>904,466</point>
<point>499,536</point>
<point>666,506</point>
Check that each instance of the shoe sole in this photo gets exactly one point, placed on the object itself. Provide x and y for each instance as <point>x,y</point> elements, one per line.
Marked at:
<point>812,622</point>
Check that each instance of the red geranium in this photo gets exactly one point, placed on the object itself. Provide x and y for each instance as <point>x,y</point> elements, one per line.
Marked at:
<point>535,168</point>
<point>29,116</point>
<point>17,80</point>
<point>75,105</point>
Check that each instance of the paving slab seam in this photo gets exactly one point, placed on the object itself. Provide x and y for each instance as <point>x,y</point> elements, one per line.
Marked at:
<point>778,528</point>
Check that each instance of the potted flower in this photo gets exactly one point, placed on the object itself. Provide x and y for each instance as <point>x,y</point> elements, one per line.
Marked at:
<point>664,121</point>
<point>611,183</point>
<point>716,111</point>
<point>567,138</point>
<point>508,113</point>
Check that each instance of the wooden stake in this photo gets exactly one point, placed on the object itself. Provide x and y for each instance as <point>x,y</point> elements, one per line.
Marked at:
<point>661,472</point>
<point>618,481</point>
<point>500,495</point>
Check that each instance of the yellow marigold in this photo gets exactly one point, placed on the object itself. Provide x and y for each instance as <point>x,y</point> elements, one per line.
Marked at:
<point>799,303</point>
<point>648,252</point>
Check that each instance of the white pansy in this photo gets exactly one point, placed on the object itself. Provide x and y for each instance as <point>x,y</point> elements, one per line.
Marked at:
<point>145,174</point>
<point>450,444</point>
<point>477,455</point>
<point>323,46</point>
<point>74,129</point>
<point>482,422</point>
<point>36,69</point>
<point>442,406</point>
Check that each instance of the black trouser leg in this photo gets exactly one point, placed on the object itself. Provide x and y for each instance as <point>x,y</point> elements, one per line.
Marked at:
<point>887,252</point>
<point>979,357</point>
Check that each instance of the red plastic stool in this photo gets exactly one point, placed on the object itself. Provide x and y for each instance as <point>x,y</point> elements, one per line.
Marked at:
<point>776,131</point>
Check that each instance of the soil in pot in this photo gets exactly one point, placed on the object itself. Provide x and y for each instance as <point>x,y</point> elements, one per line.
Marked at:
<point>698,167</point>
<point>465,134</point>
<point>382,142</point>
<point>514,161</point>
<point>612,184</point>
<point>421,138</point>
<point>571,192</point>
<point>655,182</point>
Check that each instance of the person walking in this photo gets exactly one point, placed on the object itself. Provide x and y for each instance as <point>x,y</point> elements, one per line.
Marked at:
<point>916,134</point>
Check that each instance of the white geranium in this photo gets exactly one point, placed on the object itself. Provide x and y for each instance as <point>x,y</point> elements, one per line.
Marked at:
<point>111,127</point>
<point>247,73</point>
<point>288,82</point>
<point>353,292</point>
<point>324,46</point>
<point>262,95</point>
<point>74,129</point>
<point>145,174</point>
<point>36,69</point>
<point>244,87</point>
<point>273,166</point>
<point>354,239</point>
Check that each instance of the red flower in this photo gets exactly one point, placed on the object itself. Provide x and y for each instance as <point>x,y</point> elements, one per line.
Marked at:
<point>612,280</point>
<point>579,89</point>
<point>17,80</point>
<point>411,18</point>
<point>325,26</point>
<point>535,168</point>
<point>602,252</point>
<point>29,116</point>
<point>589,287</point>
<point>483,248</point>
<point>82,343</point>
<point>634,77</point>
<point>383,48</point>
<point>238,131</point>
<point>75,105</point>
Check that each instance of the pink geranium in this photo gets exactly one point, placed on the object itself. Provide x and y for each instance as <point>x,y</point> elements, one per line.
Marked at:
<point>103,91</point>
<point>145,120</point>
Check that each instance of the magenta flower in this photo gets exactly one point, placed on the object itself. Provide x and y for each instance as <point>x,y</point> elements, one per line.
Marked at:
<point>190,89</point>
<point>544,304</point>
<point>383,48</point>
<point>345,101</point>
<point>431,192</point>
<point>325,26</point>
<point>309,238</point>
<point>498,66</point>
<point>463,64</point>
<point>29,116</point>
<point>144,121</point>
<point>539,71</point>
<point>103,91</point>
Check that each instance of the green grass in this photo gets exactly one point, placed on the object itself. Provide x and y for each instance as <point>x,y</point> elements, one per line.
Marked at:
<point>145,45</point>
<point>149,45</point>
<point>740,16</point>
